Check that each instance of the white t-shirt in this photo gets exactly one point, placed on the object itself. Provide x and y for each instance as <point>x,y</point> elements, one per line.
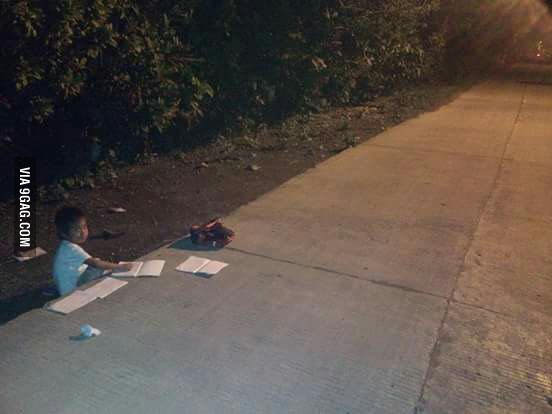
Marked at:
<point>69,266</point>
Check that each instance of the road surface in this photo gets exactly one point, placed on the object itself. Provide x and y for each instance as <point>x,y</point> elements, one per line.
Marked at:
<point>411,274</point>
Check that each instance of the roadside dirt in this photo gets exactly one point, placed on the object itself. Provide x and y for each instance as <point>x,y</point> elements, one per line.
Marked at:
<point>164,196</point>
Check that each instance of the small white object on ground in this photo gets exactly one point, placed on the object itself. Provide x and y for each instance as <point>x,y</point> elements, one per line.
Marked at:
<point>89,331</point>
<point>117,210</point>
<point>30,254</point>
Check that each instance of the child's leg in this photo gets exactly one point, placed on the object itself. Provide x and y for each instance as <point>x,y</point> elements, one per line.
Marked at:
<point>91,273</point>
<point>65,285</point>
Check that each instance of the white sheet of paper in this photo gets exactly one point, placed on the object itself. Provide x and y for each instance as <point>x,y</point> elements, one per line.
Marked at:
<point>130,273</point>
<point>105,287</point>
<point>212,268</point>
<point>192,264</point>
<point>31,254</point>
<point>74,301</point>
<point>151,268</point>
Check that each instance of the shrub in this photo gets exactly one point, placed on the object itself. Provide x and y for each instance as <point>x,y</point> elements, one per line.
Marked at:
<point>85,78</point>
<point>77,73</point>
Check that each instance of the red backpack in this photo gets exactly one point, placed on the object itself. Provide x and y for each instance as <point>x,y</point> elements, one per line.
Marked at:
<point>212,233</point>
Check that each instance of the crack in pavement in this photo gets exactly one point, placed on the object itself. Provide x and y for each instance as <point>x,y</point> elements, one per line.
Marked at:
<point>468,247</point>
<point>367,280</point>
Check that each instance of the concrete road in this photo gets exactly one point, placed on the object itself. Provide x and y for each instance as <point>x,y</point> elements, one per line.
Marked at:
<point>411,274</point>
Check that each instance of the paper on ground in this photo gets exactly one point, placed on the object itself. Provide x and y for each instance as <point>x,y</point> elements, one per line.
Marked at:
<point>106,287</point>
<point>74,301</point>
<point>152,268</point>
<point>30,254</point>
<point>129,273</point>
<point>79,298</point>
<point>212,268</point>
<point>192,264</point>
<point>148,268</point>
<point>200,265</point>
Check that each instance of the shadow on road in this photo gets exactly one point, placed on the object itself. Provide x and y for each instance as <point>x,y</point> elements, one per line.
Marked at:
<point>14,306</point>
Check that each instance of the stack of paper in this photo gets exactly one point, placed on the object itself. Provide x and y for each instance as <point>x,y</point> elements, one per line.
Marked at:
<point>201,266</point>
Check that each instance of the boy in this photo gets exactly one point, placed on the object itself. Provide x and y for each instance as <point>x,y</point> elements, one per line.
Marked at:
<point>72,265</point>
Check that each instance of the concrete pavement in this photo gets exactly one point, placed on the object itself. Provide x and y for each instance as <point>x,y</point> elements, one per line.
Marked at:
<point>409,274</point>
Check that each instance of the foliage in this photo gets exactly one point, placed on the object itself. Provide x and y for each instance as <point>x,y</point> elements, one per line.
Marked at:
<point>83,78</point>
<point>383,44</point>
<point>77,73</point>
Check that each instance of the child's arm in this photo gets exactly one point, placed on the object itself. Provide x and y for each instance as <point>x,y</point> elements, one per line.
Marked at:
<point>102,264</point>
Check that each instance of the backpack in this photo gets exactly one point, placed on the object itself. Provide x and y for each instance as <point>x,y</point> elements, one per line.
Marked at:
<point>212,233</point>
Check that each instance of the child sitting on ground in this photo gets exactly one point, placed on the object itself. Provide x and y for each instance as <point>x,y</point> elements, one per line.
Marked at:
<point>72,265</point>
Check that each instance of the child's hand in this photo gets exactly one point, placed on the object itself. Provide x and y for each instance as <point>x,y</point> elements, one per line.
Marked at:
<point>124,267</point>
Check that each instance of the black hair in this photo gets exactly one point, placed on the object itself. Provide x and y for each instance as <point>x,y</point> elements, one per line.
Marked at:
<point>66,218</point>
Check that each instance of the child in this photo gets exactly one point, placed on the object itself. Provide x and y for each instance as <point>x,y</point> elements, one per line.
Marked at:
<point>72,265</point>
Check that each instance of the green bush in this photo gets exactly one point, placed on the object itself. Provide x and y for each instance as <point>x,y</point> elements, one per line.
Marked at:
<point>260,55</point>
<point>384,44</point>
<point>78,73</point>
<point>83,78</point>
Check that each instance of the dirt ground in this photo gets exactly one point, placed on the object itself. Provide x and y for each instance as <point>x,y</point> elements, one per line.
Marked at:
<point>167,194</point>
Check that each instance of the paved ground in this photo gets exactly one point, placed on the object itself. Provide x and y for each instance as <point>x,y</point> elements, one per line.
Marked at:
<point>411,274</point>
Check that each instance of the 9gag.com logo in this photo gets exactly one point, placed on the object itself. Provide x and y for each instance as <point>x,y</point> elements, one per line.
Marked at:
<point>25,205</point>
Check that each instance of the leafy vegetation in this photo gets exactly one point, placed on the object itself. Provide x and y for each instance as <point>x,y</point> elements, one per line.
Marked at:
<point>86,80</point>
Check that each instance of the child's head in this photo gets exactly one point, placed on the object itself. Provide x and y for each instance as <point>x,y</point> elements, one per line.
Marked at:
<point>71,225</point>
